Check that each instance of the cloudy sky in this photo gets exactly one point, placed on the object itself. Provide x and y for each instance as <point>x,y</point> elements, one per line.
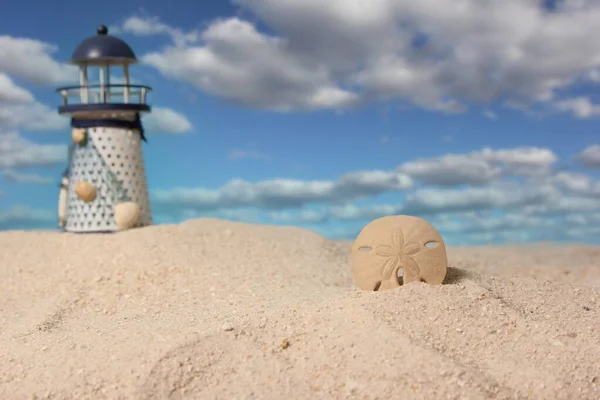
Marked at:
<point>481,116</point>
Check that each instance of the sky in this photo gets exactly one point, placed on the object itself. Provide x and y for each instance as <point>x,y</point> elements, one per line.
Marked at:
<point>480,116</point>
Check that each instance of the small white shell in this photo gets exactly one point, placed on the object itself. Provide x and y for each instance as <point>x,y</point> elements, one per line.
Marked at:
<point>127,214</point>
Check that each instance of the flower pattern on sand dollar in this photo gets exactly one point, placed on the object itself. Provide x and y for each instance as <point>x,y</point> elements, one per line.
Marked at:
<point>398,255</point>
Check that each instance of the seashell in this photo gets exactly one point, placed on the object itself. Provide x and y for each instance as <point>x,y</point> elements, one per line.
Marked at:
<point>396,250</point>
<point>127,214</point>
<point>85,191</point>
<point>78,135</point>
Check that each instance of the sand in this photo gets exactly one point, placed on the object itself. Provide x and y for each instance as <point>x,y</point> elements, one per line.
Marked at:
<point>210,309</point>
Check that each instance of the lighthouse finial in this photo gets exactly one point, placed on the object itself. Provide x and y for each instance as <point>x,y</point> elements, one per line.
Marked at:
<point>102,30</point>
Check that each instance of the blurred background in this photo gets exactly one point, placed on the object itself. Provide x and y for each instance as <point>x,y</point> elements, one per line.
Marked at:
<point>481,117</point>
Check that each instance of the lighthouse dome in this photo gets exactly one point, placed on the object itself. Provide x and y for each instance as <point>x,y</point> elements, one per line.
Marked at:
<point>103,48</point>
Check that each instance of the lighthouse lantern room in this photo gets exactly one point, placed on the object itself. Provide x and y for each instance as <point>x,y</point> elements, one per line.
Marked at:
<point>104,188</point>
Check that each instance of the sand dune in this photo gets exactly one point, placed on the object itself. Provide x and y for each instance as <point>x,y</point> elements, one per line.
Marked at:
<point>220,310</point>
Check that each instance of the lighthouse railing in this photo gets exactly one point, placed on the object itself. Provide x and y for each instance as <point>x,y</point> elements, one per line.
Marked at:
<point>104,94</point>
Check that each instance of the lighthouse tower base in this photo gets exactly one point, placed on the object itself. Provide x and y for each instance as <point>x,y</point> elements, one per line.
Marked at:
<point>109,164</point>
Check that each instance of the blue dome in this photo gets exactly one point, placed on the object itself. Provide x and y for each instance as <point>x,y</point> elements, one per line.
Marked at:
<point>103,48</point>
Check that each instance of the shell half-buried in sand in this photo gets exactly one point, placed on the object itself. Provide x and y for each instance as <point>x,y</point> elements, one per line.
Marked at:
<point>127,214</point>
<point>396,250</point>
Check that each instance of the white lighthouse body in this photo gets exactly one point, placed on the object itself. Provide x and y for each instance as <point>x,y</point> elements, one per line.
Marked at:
<point>104,188</point>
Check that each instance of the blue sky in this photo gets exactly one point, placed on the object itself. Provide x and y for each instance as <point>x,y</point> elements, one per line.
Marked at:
<point>482,119</point>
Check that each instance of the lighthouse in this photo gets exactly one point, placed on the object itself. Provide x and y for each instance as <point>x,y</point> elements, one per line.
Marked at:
<point>104,187</point>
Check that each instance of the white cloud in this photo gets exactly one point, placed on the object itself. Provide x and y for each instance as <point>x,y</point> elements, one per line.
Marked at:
<point>31,60</point>
<point>236,214</point>
<point>520,160</point>
<point>575,183</point>
<point>497,223</point>
<point>490,114</point>
<point>166,120</point>
<point>19,109</point>
<point>11,93</point>
<point>372,182</point>
<point>303,216</point>
<point>460,228</point>
<point>564,205</point>
<point>496,216</point>
<point>282,193</point>
<point>590,156</point>
<point>519,227</point>
<point>521,54</point>
<point>18,152</point>
<point>242,65</point>
<point>480,167</point>
<point>516,213</point>
<point>502,196</point>
<point>21,216</point>
<point>19,177</point>
<point>252,154</point>
<point>581,107</point>
<point>481,170</point>
<point>352,212</point>
<point>31,116</point>
<point>585,233</point>
<point>452,170</point>
<point>149,26</point>
<point>583,219</point>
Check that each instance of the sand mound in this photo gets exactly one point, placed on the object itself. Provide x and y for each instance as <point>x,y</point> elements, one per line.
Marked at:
<point>214,309</point>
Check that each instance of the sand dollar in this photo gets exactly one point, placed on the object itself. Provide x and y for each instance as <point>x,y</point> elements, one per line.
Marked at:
<point>85,191</point>
<point>402,243</point>
<point>78,135</point>
<point>127,214</point>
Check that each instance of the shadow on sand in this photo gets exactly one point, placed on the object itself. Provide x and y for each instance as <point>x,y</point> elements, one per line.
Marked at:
<point>454,276</point>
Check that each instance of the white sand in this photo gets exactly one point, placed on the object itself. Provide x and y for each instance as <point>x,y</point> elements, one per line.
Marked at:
<point>147,314</point>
